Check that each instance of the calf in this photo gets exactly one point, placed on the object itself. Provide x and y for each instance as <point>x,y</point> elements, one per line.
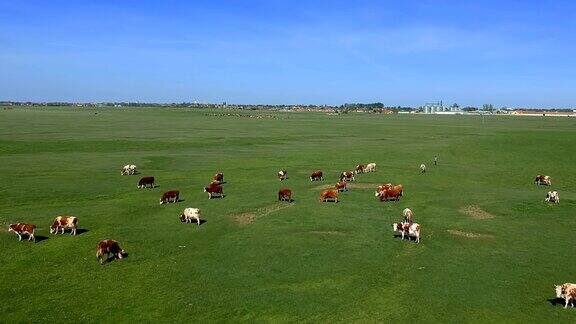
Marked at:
<point>144,182</point>
<point>347,176</point>
<point>341,186</point>
<point>370,167</point>
<point>214,189</point>
<point>63,223</point>
<point>219,177</point>
<point>566,291</point>
<point>317,176</point>
<point>552,196</point>
<point>408,215</point>
<point>285,194</point>
<point>189,214</point>
<point>282,175</point>
<point>407,230</point>
<point>110,248</point>
<point>543,180</point>
<point>328,195</point>
<point>359,168</point>
<point>23,229</point>
<point>171,196</point>
<point>128,169</point>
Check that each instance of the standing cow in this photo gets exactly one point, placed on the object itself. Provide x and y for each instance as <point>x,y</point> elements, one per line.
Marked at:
<point>543,180</point>
<point>23,229</point>
<point>110,248</point>
<point>146,182</point>
<point>347,176</point>
<point>370,167</point>
<point>359,168</point>
<point>566,291</point>
<point>172,196</point>
<point>408,215</point>
<point>317,176</point>
<point>63,223</point>
<point>285,194</point>
<point>219,177</point>
<point>341,186</point>
<point>422,168</point>
<point>190,214</point>
<point>282,175</point>
<point>407,230</point>
<point>214,190</point>
<point>552,196</point>
<point>329,195</point>
<point>128,169</point>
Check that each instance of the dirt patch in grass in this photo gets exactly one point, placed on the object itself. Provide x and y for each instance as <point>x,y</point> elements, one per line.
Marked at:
<point>247,218</point>
<point>471,235</point>
<point>476,212</point>
<point>327,233</point>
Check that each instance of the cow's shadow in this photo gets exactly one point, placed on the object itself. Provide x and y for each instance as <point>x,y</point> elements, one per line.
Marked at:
<point>80,231</point>
<point>557,301</point>
<point>202,221</point>
<point>111,258</point>
<point>288,201</point>
<point>40,238</point>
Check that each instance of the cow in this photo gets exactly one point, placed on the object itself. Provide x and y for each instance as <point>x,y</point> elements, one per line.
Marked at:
<point>128,169</point>
<point>393,193</point>
<point>214,189</point>
<point>109,248</point>
<point>552,196</point>
<point>285,194</point>
<point>543,180</point>
<point>370,167</point>
<point>317,176</point>
<point>172,196</point>
<point>63,223</point>
<point>219,177</point>
<point>407,230</point>
<point>383,187</point>
<point>422,168</point>
<point>23,229</point>
<point>189,214</point>
<point>347,176</point>
<point>328,195</point>
<point>341,186</point>
<point>144,182</point>
<point>359,168</point>
<point>408,215</point>
<point>566,291</point>
<point>282,175</point>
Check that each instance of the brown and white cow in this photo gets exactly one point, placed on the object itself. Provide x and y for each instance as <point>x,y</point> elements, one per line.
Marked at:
<point>317,176</point>
<point>172,196</point>
<point>552,196</point>
<point>543,180</point>
<point>214,190</point>
<point>219,177</point>
<point>63,223</point>
<point>359,168</point>
<point>190,214</point>
<point>407,230</point>
<point>347,176</point>
<point>567,292</point>
<point>110,248</point>
<point>23,229</point>
<point>408,215</point>
<point>341,186</point>
<point>285,194</point>
<point>383,187</point>
<point>329,195</point>
<point>282,175</point>
<point>393,193</point>
<point>370,167</point>
<point>144,182</point>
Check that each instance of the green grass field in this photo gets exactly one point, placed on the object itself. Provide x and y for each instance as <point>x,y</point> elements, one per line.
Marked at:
<point>257,260</point>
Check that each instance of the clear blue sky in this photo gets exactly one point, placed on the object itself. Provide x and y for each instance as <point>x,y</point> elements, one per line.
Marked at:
<point>509,53</point>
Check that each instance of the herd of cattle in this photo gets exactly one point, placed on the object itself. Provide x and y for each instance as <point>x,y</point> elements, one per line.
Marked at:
<point>110,249</point>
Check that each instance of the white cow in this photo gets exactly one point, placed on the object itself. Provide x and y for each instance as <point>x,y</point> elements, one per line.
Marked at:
<point>408,229</point>
<point>422,168</point>
<point>566,291</point>
<point>128,169</point>
<point>370,167</point>
<point>408,215</point>
<point>552,196</point>
<point>189,214</point>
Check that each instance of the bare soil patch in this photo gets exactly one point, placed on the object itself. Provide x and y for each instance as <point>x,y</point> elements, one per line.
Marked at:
<point>469,234</point>
<point>476,212</point>
<point>327,232</point>
<point>246,218</point>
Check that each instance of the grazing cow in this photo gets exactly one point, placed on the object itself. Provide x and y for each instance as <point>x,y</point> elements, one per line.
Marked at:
<point>214,189</point>
<point>317,176</point>
<point>341,186</point>
<point>282,175</point>
<point>128,169</point>
<point>189,214</point>
<point>144,182</point>
<point>219,177</point>
<point>359,168</point>
<point>393,193</point>
<point>422,168</point>
<point>63,223</point>
<point>566,291</point>
<point>543,180</point>
<point>408,215</point>
<point>109,248</point>
<point>328,195</point>
<point>285,194</point>
<point>383,187</point>
<point>347,176</point>
<point>370,167</point>
<point>23,229</point>
<point>408,229</point>
<point>552,196</point>
<point>171,196</point>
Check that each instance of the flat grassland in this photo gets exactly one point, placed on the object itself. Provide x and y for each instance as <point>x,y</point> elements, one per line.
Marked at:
<point>491,249</point>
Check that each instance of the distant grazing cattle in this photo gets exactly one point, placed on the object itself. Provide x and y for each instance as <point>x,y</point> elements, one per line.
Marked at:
<point>219,177</point>
<point>393,193</point>
<point>109,248</point>
<point>552,196</point>
<point>329,195</point>
<point>171,196</point>
<point>370,167</point>
<point>144,182</point>
<point>407,230</point>
<point>285,194</point>
<point>317,176</point>
<point>422,168</point>
<point>214,190</point>
<point>282,175</point>
<point>128,169</point>
<point>190,214</point>
<point>543,180</point>
<point>359,168</point>
<point>408,215</point>
<point>63,223</point>
<point>23,229</point>
<point>347,176</point>
<point>567,292</point>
